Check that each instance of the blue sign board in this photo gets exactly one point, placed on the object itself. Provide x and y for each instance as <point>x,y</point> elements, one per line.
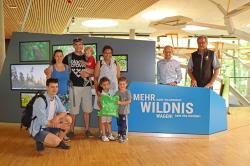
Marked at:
<point>175,110</point>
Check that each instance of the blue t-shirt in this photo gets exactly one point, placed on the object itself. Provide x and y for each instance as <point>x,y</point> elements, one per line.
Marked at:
<point>63,79</point>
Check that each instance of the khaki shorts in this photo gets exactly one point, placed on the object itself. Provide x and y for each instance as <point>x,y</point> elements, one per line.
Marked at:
<point>106,119</point>
<point>80,97</point>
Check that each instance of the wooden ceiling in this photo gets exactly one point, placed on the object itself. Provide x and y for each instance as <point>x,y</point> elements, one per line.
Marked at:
<point>52,16</point>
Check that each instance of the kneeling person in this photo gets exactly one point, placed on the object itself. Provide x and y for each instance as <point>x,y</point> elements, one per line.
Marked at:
<point>52,122</point>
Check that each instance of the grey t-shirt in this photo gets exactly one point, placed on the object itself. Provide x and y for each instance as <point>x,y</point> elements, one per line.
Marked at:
<point>123,96</point>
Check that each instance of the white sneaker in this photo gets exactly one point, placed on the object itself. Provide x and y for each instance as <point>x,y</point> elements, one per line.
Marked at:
<point>105,138</point>
<point>111,138</point>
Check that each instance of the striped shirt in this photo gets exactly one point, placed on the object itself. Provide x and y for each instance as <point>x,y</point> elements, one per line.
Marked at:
<point>168,71</point>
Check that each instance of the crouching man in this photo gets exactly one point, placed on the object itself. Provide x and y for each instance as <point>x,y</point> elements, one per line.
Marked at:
<point>52,122</point>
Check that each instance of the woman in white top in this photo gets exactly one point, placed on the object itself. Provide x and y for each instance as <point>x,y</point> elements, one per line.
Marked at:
<point>106,68</point>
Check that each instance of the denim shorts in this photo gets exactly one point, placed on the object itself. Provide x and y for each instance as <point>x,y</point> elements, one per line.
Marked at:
<point>41,135</point>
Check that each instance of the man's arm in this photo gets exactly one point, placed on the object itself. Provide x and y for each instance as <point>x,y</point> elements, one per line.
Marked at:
<point>190,72</point>
<point>118,71</point>
<point>158,72</point>
<point>85,74</point>
<point>56,121</point>
<point>60,114</point>
<point>193,80</point>
<point>214,77</point>
<point>39,110</point>
<point>86,63</point>
<point>178,72</point>
<point>96,77</point>
<point>65,60</point>
<point>216,65</point>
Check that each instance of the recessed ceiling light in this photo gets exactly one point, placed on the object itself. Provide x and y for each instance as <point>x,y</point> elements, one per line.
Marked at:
<point>194,28</point>
<point>73,21</point>
<point>81,8</point>
<point>100,23</point>
<point>248,25</point>
<point>11,6</point>
<point>158,15</point>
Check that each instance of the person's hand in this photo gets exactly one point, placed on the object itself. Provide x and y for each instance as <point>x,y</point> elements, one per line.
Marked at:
<point>85,63</point>
<point>64,126</point>
<point>193,83</point>
<point>118,102</point>
<point>84,74</point>
<point>47,72</point>
<point>209,85</point>
<point>99,102</point>
<point>53,123</point>
<point>172,83</point>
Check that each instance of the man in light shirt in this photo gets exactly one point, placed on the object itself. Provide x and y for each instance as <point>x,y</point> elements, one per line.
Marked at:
<point>168,69</point>
<point>51,121</point>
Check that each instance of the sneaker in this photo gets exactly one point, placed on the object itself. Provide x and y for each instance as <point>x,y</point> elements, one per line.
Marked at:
<point>105,138</point>
<point>125,138</point>
<point>99,135</point>
<point>120,139</point>
<point>63,145</point>
<point>39,146</point>
<point>66,139</point>
<point>111,138</point>
<point>88,134</point>
<point>70,134</point>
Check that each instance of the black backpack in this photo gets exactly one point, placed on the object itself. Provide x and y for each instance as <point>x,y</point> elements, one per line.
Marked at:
<point>27,118</point>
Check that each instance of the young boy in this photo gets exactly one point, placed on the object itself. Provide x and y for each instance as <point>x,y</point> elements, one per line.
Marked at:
<point>124,103</point>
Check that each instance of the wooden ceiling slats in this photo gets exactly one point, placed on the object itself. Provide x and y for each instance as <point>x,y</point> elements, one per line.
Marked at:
<point>52,16</point>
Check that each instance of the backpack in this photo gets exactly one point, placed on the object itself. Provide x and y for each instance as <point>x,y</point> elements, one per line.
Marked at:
<point>27,118</point>
<point>102,60</point>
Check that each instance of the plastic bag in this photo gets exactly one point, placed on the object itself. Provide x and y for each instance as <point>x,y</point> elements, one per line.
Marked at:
<point>109,106</point>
